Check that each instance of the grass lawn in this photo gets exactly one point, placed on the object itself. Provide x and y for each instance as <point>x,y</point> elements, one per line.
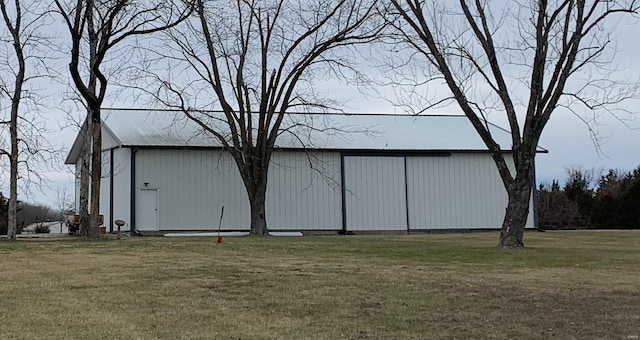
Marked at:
<point>582,285</point>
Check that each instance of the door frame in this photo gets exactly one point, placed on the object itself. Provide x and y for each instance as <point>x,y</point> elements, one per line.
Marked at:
<point>157,227</point>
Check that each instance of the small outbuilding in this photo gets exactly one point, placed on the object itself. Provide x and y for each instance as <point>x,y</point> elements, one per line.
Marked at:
<point>330,172</point>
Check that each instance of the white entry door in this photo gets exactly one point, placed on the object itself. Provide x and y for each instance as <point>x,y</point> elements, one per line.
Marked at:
<point>148,209</point>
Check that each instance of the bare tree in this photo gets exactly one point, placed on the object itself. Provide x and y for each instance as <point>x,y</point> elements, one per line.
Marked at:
<point>254,61</point>
<point>98,31</point>
<point>20,64</point>
<point>64,203</point>
<point>554,54</point>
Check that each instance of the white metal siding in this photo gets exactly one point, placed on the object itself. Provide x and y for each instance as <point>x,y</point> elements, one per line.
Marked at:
<point>192,186</point>
<point>108,140</point>
<point>302,198</point>
<point>122,186</point>
<point>77,184</point>
<point>105,188</point>
<point>530,220</point>
<point>463,191</point>
<point>375,195</point>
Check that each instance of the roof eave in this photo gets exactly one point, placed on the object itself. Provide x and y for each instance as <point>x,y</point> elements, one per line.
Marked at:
<point>76,147</point>
<point>369,150</point>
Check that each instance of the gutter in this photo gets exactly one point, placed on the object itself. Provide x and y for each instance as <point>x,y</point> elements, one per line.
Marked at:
<point>111,190</point>
<point>534,197</point>
<point>344,195</point>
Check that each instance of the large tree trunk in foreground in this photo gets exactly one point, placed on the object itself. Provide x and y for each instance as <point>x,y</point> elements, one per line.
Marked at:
<point>12,223</point>
<point>254,170</point>
<point>515,219</point>
<point>85,179</point>
<point>96,174</point>
<point>17,33</point>
<point>257,201</point>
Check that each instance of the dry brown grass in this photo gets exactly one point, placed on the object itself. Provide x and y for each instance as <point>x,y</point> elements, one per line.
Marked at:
<point>566,285</point>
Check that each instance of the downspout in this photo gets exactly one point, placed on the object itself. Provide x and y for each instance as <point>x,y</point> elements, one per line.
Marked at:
<point>132,218</point>
<point>406,194</point>
<point>111,191</point>
<point>534,196</point>
<point>344,196</point>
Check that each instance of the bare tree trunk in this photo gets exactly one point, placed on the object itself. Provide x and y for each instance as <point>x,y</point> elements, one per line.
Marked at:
<point>101,25</point>
<point>515,219</point>
<point>96,174</point>
<point>257,201</point>
<point>15,30</point>
<point>13,181</point>
<point>254,175</point>
<point>84,182</point>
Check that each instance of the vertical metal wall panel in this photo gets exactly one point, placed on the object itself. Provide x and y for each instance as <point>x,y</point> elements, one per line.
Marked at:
<point>108,140</point>
<point>105,190</point>
<point>454,192</point>
<point>302,198</point>
<point>375,195</point>
<point>122,185</point>
<point>192,186</point>
<point>77,184</point>
<point>530,220</point>
<point>463,191</point>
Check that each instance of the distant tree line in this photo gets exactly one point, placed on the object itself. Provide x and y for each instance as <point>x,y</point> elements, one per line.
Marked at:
<point>27,214</point>
<point>589,200</point>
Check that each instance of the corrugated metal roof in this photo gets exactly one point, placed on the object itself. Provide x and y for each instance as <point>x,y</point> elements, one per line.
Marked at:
<point>320,131</point>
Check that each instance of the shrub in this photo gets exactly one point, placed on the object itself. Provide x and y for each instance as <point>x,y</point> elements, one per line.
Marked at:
<point>42,229</point>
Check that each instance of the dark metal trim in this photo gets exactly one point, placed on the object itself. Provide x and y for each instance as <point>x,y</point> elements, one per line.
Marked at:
<point>350,152</point>
<point>534,196</point>
<point>344,195</point>
<point>111,190</point>
<point>332,230</point>
<point>454,230</point>
<point>132,222</point>
<point>397,153</point>
<point>406,194</point>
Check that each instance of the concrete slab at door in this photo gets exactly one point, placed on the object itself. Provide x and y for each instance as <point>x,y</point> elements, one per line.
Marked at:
<point>148,209</point>
<point>375,193</point>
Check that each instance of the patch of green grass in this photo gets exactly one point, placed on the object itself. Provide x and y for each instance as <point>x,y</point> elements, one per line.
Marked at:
<point>564,285</point>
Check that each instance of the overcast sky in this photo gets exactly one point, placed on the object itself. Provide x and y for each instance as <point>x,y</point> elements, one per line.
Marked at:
<point>566,137</point>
